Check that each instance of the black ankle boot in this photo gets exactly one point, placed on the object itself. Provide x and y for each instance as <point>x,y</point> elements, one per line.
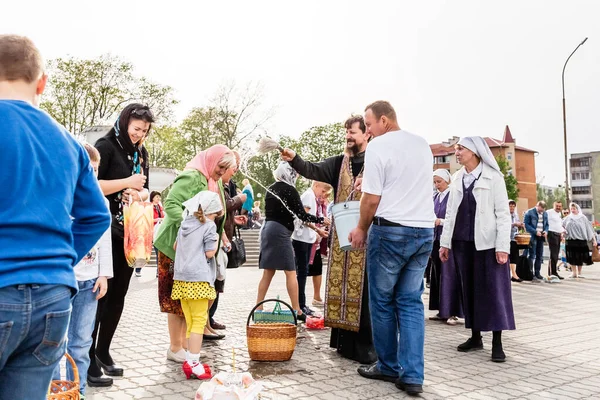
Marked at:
<point>473,343</point>
<point>498,353</point>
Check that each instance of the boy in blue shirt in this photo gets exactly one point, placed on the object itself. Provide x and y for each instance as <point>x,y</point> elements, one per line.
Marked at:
<point>52,213</point>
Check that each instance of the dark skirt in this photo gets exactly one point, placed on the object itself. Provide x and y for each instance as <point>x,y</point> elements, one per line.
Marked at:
<point>357,346</point>
<point>578,252</point>
<point>165,286</point>
<point>514,252</point>
<point>486,288</point>
<point>276,251</point>
<point>444,291</point>
<point>316,268</point>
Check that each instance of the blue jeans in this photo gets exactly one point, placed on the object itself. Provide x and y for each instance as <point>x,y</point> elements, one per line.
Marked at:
<point>396,260</point>
<point>536,252</point>
<point>79,336</point>
<point>33,327</point>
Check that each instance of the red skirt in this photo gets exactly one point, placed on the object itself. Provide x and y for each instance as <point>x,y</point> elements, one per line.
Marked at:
<point>165,286</point>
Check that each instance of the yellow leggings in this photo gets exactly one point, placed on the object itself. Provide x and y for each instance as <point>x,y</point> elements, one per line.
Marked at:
<point>196,315</point>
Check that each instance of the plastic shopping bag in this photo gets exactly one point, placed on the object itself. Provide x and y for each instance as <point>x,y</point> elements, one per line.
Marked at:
<point>230,385</point>
<point>139,229</point>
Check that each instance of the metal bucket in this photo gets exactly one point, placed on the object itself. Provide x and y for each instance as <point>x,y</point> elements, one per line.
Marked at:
<point>346,216</point>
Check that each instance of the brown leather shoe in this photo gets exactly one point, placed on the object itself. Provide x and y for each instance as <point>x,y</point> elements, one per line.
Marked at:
<point>216,325</point>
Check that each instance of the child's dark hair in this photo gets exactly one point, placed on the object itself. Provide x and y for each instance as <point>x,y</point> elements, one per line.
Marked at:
<point>200,215</point>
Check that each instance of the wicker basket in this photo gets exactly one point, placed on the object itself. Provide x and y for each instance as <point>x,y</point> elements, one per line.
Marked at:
<point>65,390</point>
<point>271,341</point>
<point>523,239</point>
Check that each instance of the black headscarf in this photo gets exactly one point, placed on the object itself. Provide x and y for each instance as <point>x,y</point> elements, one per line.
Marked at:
<point>136,153</point>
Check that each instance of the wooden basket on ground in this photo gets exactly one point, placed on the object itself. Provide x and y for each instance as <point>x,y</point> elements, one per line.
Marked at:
<point>523,239</point>
<point>271,341</point>
<point>65,390</point>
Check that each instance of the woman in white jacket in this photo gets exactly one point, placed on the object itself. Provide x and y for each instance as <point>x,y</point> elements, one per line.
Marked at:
<point>477,229</point>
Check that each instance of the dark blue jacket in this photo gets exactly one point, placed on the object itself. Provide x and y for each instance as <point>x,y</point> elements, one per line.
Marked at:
<point>531,221</point>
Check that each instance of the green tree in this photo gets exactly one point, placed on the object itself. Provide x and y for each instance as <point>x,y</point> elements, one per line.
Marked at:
<point>232,118</point>
<point>512,187</point>
<point>85,92</point>
<point>238,114</point>
<point>551,195</point>
<point>167,147</point>
<point>315,144</point>
<point>321,142</point>
<point>260,167</point>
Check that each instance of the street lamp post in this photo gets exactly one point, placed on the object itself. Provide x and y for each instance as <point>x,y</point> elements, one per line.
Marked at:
<point>565,123</point>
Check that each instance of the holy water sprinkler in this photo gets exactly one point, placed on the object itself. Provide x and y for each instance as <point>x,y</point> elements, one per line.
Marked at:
<point>267,145</point>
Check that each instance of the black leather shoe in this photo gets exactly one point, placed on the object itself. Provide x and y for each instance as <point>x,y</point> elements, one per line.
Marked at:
<point>212,337</point>
<point>412,389</point>
<point>99,381</point>
<point>470,345</point>
<point>372,372</point>
<point>498,354</point>
<point>110,370</point>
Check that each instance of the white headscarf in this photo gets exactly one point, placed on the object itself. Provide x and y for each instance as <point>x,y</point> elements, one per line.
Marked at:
<point>573,216</point>
<point>478,146</point>
<point>285,173</point>
<point>209,201</point>
<point>442,173</point>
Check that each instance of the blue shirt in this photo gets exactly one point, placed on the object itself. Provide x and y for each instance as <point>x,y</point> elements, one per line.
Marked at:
<point>52,211</point>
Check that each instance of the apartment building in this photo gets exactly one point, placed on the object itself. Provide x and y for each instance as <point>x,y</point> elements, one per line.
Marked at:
<point>585,183</point>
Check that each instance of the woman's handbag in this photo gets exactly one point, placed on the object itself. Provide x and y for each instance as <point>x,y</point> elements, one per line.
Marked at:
<point>237,255</point>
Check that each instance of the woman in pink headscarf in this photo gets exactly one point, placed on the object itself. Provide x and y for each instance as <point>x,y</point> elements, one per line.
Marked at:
<point>203,172</point>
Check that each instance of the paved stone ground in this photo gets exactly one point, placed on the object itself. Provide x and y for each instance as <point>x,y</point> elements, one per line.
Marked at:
<point>553,354</point>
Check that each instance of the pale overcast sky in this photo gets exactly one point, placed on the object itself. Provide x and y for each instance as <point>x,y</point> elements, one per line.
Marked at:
<point>448,67</point>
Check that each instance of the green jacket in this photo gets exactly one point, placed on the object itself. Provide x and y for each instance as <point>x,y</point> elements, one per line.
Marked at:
<point>188,184</point>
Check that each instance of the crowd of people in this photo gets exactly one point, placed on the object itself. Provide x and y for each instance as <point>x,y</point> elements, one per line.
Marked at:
<point>568,233</point>
<point>68,290</point>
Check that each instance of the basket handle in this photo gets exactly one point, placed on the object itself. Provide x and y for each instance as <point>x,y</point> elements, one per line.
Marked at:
<point>74,366</point>
<point>276,300</point>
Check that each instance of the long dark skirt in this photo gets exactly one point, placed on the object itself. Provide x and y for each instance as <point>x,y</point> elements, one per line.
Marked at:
<point>357,346</point>
<point>578,252</point>
<point>485,287</point>
<point>444,292</point>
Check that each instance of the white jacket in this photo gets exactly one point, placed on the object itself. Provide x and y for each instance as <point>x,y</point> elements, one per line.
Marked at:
<point>492,219</point>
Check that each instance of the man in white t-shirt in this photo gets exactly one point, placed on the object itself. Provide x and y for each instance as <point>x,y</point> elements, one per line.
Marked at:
<point>397,209</point>
<point>555,232</point>
<point>304,236</point>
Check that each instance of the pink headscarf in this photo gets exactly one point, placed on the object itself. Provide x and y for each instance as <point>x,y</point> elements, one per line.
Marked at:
<point>206,161</point>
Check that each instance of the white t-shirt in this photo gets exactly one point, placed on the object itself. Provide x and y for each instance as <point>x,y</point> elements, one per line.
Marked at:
<point>398,168</point>
<point>303,233</point>
<point>554,221</point>
<point>98,261</point>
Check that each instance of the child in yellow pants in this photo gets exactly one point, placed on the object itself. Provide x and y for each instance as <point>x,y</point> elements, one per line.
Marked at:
<point>195,273</point>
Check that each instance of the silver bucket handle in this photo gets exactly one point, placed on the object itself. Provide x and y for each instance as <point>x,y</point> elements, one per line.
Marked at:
<point>348,198</point>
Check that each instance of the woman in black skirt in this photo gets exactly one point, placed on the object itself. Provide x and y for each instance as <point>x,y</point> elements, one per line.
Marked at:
<point>282,206</point>
<point>579,234</point>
